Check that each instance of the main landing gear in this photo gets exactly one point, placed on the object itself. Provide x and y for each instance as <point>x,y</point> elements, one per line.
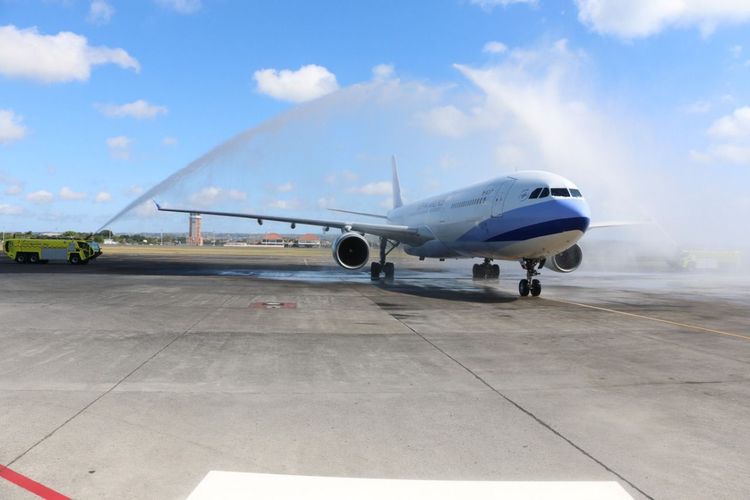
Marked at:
<point>485,271</point>
<point>386,268</point>
<point>530,285</point>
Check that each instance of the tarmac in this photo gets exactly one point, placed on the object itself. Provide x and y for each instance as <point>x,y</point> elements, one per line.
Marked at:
<point>136,375</point>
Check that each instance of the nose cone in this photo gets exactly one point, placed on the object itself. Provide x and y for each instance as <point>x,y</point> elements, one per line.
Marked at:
<point>575,211</point>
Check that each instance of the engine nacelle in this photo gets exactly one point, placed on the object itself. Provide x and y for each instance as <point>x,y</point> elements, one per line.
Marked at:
<point>351,251</point>
<point>566,261</point>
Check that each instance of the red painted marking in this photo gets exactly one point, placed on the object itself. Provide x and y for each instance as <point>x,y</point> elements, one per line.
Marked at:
<point>30,485</point>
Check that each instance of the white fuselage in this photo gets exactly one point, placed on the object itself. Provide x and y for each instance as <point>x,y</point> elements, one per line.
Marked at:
<point>509,217</point>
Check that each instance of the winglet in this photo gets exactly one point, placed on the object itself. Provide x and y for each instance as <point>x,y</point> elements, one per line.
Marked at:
<point>158,207</point>
<point>396,184</point>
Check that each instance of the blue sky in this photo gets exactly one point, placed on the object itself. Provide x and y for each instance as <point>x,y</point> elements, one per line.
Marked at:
<point>102,100</point>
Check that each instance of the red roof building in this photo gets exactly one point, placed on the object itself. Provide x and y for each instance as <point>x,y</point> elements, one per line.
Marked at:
<point>309,240</point>
<point>273,239</point>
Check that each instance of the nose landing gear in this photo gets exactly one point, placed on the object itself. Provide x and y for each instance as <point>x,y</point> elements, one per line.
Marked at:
<point>485,271</point>
<point>530,285</point>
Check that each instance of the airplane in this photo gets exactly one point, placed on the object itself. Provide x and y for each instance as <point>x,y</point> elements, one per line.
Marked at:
<point>533,217</point>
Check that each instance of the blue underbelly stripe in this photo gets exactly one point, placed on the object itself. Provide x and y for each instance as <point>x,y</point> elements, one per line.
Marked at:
<point>544,229</point>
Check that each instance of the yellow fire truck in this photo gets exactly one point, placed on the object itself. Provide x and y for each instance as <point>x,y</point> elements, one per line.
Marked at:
<point>32,251</point>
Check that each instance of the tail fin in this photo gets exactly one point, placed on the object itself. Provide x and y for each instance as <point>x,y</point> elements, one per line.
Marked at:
<point>396,185</point>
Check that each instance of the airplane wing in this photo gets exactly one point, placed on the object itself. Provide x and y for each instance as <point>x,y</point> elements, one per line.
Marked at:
<point>404,234</point>
<point>366,214</point>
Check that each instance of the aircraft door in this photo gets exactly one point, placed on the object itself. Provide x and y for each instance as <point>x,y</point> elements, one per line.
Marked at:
<point>501,193</point>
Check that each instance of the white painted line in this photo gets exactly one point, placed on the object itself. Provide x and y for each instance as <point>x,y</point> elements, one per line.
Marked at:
<point>245,485</point>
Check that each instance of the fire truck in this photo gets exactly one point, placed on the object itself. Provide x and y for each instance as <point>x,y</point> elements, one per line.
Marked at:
<point>33,251</point>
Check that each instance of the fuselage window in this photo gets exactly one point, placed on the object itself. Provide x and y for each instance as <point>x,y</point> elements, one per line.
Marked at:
<point>576,193</point>
<point>535,194</point>
<point>562,192</point>
<point>544,193</point>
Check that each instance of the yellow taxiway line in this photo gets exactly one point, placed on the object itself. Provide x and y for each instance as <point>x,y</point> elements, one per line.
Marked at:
<point>659,320</point>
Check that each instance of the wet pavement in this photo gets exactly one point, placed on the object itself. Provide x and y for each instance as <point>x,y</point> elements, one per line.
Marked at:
<point>134,376</point>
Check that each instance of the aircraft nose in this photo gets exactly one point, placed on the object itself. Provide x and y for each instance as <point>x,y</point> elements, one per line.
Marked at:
<point>576,210</point>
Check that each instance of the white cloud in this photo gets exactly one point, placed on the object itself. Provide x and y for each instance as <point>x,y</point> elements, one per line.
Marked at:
<point>212,194</point>
<point>532,111</point>
<point>491,4</point>
<point>25,53</point>
<point>383,72</point>
<point>139,109</point>
<point>731,140</point>
<point>326,202</point>
<point>169,141</point>
<point>284,204</point>
<point>40,197</point>
<point>100,12</point>
<point>6,209</point>
<point>641,18</point>
<point>494,47</point>
<point>697,108</point>
<point>207,196</point>
<point>134,190</point>
<point>68,194</point>
<point>119,147</point>
<point>102,197</point>
<point>181,6</point>
<point>146,209</point>
<point>11,129</point>
<point>736,125</point>
<point>349,176</point>
<point>446,120</point>
<point>510,156</point>
<point>307,83</point>
<point>373,189</point>
<point>738,154</point>
<point>285,188</point>
<point>237,195</point>
<point>13,190</point>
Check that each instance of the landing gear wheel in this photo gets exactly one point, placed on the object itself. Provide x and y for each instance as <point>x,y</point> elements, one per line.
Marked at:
<point>375,269</point>
<point>529,284</point>
<point>476,272</point>
<point>389,270</point>
<point>33,258</point>
<point>495,271</point>
<point>75,259</point>
<point>485,271</point>
<point>536,288</point>
<point>21,258</point>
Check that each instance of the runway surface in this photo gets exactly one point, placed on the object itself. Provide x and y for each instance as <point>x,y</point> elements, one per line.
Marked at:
<point>136,375</point>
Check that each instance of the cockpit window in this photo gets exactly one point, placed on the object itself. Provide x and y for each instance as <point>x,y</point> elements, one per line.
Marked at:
<point>562,192</point>
<point>544,193</point>
<point>575,193</point>
<point>535,193</point>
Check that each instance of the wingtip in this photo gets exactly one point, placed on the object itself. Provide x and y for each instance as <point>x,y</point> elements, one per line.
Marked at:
<point>158,207</point>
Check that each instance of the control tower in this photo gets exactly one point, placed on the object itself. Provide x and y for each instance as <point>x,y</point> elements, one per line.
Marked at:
<point>195,237</point>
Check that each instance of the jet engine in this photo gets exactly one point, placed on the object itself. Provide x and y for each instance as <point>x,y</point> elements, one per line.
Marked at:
<point>351,251</point>
<point>566,261</point>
